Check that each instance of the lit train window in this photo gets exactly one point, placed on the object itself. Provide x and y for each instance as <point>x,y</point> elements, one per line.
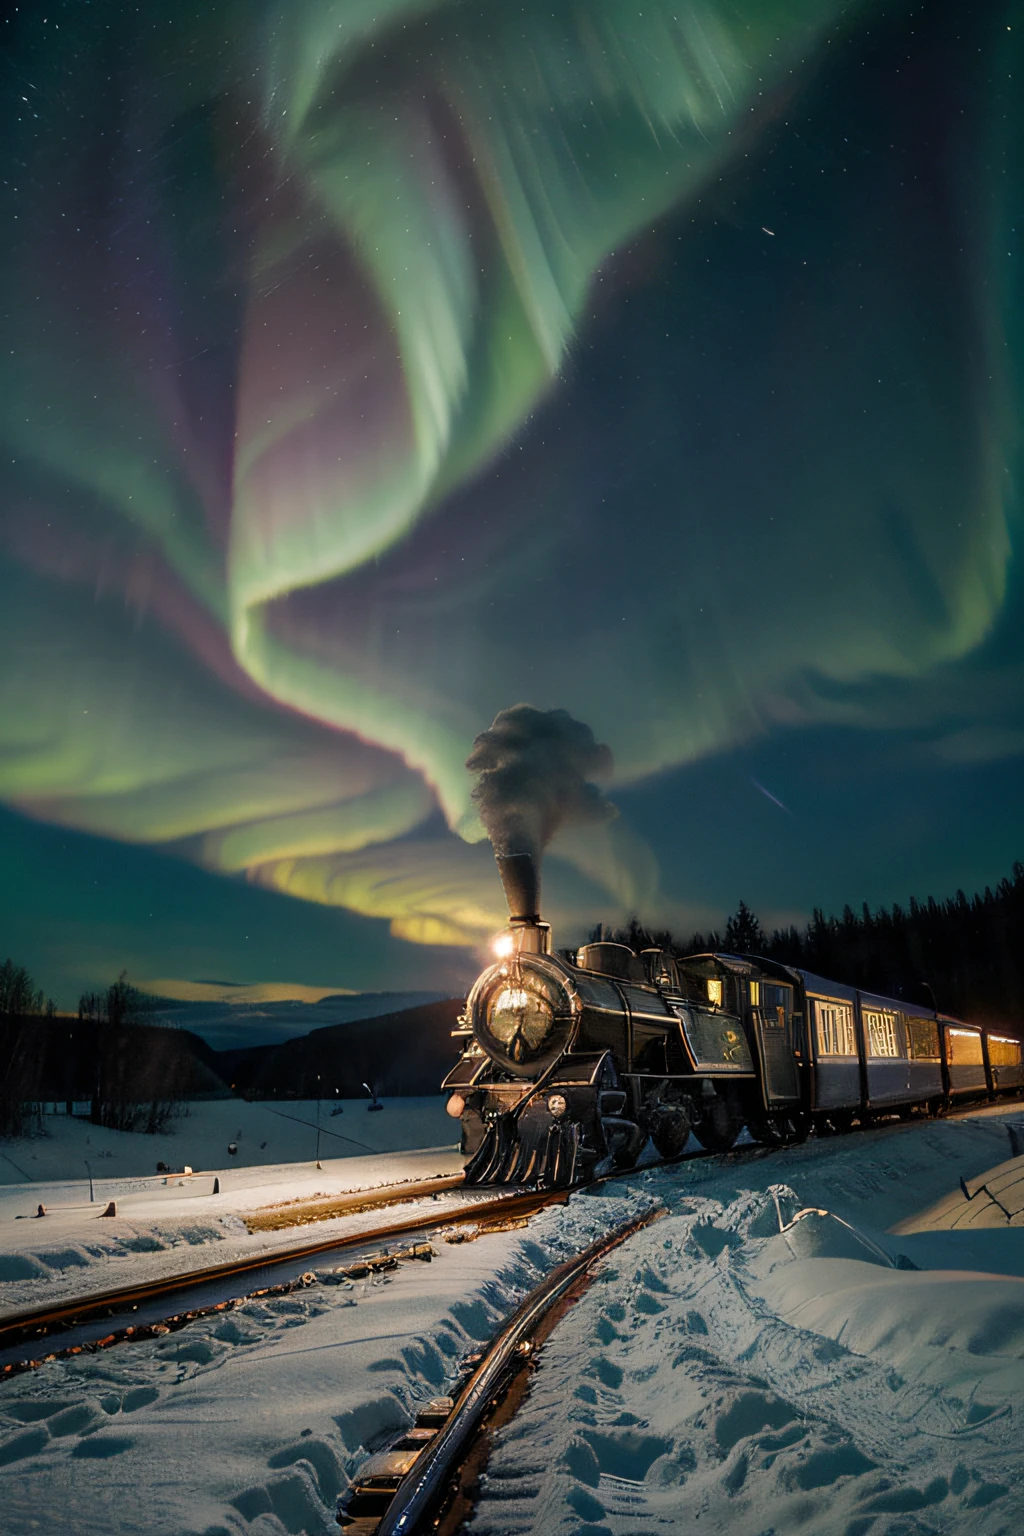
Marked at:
<point>755,994</point>
<point>715,991</point>
<point>923,1037</point>
<point>883,1035</point>
<point>964,1047</point>
<point>1003,1052</point>
<point>834,1028</point>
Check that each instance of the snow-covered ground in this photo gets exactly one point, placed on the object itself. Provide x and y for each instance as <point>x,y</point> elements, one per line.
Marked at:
<point>719,1370</point>
<point>169,1225</point>
<point>284,1131</point>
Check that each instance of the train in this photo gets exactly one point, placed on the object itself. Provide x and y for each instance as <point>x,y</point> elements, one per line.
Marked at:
<point>570,1061</point>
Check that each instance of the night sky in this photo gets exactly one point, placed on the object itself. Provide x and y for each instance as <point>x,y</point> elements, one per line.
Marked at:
<point>369,366</point>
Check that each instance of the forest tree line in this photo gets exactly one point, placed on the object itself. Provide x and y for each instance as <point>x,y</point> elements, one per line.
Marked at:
<point>963,955</point>
<point>132,1073</point>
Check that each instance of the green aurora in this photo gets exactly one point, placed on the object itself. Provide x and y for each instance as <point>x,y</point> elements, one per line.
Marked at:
<point>367,368</point>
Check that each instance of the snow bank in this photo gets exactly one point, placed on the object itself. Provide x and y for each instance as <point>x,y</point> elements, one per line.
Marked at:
<point>170,1227</point>
<point>754,1380</point>
<point>76,1251</point>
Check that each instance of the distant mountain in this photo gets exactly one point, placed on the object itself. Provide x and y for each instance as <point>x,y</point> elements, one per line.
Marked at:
<point>228,1026</point>
<point>407,1051</point>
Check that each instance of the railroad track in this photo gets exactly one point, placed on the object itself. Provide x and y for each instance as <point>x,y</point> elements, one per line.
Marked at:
<point>426,1479</point>
<point>34,1327</point>
<point>38,1325</point>
<point>428,1476</point>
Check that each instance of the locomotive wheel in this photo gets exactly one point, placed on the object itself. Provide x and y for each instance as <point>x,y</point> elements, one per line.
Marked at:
<point>667,1117</point>
<point>624,1140</point>
<point>719,1125</point>
<point>670,1130</point>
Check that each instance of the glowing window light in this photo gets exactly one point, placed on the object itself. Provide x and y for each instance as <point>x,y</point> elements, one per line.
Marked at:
<point>882,1036</point>
<point>834,1024</point>
<point>964,1047</point>
<point>715,991</point>
<point>755,994</point>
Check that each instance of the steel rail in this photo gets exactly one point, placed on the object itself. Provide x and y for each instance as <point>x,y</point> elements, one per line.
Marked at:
<point>426,1484</point>
<point>304,1212</point>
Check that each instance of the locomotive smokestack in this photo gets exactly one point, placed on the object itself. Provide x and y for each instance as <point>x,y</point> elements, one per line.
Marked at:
<point>535,769</point>
<point>520,875</point>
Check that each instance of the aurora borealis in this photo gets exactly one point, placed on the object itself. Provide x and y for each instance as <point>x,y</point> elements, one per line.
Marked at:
<point>369,368</point>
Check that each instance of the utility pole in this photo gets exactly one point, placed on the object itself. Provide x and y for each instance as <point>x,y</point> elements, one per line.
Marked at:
<point>318,1102</point>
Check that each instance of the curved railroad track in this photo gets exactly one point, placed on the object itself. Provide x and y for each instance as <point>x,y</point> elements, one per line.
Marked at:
<point>145,1308</point>
<point>427,1478</point>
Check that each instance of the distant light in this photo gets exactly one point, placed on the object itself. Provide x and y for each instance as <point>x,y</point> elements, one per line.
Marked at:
<point>503,945</point>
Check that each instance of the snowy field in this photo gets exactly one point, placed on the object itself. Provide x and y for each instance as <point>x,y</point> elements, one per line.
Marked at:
<point>284,1131</point>
<point>168,1225</point>
<point>736,1367</point>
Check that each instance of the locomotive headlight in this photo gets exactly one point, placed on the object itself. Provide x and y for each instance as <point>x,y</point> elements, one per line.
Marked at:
<point>521,1018</point>
<point>557,1105</point>
<point>522,1012</point>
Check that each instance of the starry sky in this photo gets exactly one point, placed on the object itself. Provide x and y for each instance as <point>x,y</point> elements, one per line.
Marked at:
<point>370,366</point>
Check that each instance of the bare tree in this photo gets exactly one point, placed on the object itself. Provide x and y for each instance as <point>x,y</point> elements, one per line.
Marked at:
<point>141,1072</point>
<point>22,1043</point>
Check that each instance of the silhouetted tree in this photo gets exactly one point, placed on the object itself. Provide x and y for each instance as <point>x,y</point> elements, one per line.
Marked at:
<point>140,1075</point>
<point>743,933</point>
<point>965,952</point>
<point>21,1007</point>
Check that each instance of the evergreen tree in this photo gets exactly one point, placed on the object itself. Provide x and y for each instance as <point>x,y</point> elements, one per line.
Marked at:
<point>743,932</point>
<point>966,953</point>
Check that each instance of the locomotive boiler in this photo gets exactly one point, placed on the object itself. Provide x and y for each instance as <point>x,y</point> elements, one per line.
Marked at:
<point>571,1061</point>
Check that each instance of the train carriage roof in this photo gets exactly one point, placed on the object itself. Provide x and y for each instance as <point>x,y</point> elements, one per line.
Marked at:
<point>821,986</point>
<point>896,1005</point>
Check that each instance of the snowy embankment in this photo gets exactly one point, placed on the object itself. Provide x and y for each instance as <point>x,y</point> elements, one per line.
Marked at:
<point>759,1363</point>
<point>169,1225</point>
<point>720,1369</point>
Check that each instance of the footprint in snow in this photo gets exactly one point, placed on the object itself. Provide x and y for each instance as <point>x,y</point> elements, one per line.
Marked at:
<point>102,1447</point>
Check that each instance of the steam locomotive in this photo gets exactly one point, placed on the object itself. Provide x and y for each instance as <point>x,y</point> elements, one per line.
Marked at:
<point>569,1063</point>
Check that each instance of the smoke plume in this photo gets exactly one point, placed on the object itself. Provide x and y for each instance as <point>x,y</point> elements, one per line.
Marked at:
<point>535,769</point>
